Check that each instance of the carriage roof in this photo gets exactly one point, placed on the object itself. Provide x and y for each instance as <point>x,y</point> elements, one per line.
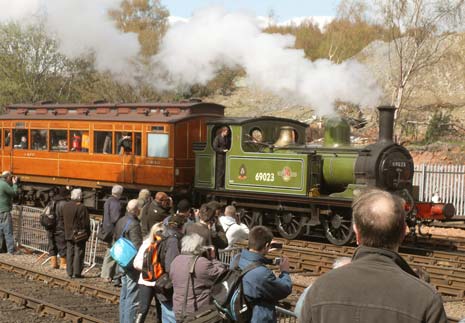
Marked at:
<point>136,112</point>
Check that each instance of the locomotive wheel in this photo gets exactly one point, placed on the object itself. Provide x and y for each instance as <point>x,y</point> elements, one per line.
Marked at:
<point>338,227</point>
<point>247,217</point>
<point>289,225</point>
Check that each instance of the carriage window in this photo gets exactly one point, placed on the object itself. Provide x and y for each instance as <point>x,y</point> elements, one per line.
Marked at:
<point>157,145</point>
<point>20,138</point>
<point>123,142</point>
<point>102,142</point>
<point>59,140</point>
<point>7,138</point>
<point>137,143</point>
<point>39,139</point>
<point>79,141</point>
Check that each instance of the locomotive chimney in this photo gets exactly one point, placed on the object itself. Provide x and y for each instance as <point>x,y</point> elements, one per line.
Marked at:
<point>386,123</point>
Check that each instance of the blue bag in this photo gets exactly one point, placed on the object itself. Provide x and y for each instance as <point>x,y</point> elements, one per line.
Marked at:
<point>123,250</point>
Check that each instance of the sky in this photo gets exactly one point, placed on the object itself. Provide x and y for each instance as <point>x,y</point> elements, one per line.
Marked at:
<point>283,9</point>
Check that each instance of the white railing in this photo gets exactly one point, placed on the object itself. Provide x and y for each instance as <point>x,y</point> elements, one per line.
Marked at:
<point>447,181</point>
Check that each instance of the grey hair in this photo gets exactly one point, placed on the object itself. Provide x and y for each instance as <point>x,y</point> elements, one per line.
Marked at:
<point>230,210</point>
<point>144,194</point>
<point>76,194</point>
<point>133,206</point>
<point>192,244</point>
<point>341,261</point>
<point>117,190</point>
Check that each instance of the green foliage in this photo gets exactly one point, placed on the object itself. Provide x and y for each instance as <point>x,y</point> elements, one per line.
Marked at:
<point>147,18</point>
<point>32,69</point>
<point>438,126</point>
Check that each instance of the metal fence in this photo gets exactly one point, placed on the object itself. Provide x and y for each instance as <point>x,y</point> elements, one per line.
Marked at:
<point>446,181</point>
<point>31,234</point>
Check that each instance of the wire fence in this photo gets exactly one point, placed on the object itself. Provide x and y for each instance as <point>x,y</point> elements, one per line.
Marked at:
<point>447,182</point>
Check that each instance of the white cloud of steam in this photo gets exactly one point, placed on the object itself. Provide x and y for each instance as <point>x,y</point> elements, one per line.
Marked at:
<point>192,52</point>
<point>82,26</point>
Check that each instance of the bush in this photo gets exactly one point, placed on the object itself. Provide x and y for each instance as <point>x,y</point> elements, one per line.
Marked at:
<point>438,126</point>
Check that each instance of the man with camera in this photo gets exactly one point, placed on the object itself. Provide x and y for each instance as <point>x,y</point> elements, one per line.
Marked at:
<point>160,208</point>
<point>261,287</point>
<point>8,190</point>
<point>209,227</point>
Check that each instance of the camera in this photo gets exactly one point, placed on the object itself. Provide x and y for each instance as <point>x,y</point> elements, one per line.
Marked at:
<point>209,252</point>
<point>277,261</point>
<point>276,245</point>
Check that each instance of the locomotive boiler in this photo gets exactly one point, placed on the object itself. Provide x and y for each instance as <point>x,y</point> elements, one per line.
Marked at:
<point>274,178</point>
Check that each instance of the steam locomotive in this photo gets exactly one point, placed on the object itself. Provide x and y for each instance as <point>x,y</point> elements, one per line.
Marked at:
<point>274,178</point>
<point>271,175</point>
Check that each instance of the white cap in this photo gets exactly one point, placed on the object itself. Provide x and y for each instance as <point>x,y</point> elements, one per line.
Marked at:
<point>6,173</point>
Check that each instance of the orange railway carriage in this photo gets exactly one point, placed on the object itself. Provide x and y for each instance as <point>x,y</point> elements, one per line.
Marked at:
<point>94,146</point>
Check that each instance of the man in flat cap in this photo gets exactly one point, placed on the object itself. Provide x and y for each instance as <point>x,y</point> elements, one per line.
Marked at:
<point>8,190</point>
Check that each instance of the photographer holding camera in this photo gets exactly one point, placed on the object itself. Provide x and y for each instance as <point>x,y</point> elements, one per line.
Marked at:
<point>209,228</point>
<point>8,190</point>
<point>261,287</point>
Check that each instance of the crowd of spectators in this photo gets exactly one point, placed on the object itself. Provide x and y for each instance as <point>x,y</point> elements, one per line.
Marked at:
<point>375,285</point>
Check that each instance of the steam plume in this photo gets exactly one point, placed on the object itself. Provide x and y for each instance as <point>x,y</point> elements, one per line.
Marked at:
<point>81,26</point>
<point>193,52</point>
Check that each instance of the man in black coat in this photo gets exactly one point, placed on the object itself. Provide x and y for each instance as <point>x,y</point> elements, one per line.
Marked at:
<point>129,227</point>
<point>56,236</point>
<point>111,215</point>
<point>221,145</point>
<point>160,208</point>
<point>76,220</point>
<point>378,285</point>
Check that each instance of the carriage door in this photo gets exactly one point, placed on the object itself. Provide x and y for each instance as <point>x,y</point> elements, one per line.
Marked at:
<point>5,142</point>
<point>127,146</point>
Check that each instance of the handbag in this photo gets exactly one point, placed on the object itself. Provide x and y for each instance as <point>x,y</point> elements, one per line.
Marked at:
<point>79,236</point>
<point>164,288</point>
<point>123,250</point>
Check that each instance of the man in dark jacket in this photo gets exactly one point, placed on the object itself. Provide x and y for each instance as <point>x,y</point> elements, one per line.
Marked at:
<point>76,220</point>
<point>8,190</point>
<point>221,146</point>
<point>378,285</point>
<point>129,227</point>
<point>261,286</point>
<point>157,211</point>
<point>209,227</point>
<point>111,215</point>
<point>56,236</point>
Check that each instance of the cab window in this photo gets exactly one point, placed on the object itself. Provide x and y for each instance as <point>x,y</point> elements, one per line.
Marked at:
<point>157,145</point>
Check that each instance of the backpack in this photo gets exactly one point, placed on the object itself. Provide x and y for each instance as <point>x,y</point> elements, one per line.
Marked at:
<point>228,294</point>
<point>153,259</point>
<point>48,216</point>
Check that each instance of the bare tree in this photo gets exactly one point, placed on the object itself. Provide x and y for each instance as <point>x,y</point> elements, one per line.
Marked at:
<point>419,30</point>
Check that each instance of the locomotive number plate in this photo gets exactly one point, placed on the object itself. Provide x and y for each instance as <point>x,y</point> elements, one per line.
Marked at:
<point>264,177</point>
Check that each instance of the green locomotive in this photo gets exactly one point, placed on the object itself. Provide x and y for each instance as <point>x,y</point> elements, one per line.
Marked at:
<point>274,178</point>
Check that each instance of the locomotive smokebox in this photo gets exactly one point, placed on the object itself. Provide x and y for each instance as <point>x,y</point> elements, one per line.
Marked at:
<point>386,123</point>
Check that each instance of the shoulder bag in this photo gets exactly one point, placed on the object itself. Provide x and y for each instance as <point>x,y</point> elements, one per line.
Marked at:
<point>123,250</point>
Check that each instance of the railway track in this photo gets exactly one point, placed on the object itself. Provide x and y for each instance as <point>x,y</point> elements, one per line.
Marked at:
<point>66,299</point>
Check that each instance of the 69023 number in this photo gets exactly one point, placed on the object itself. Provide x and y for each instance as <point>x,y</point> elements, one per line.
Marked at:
<point>264,177</point>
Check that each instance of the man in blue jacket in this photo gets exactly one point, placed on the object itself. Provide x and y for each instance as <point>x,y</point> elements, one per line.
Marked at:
<point>261,287</point>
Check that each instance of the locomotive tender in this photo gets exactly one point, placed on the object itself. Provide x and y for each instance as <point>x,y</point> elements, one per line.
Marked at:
<point>274,178</point>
